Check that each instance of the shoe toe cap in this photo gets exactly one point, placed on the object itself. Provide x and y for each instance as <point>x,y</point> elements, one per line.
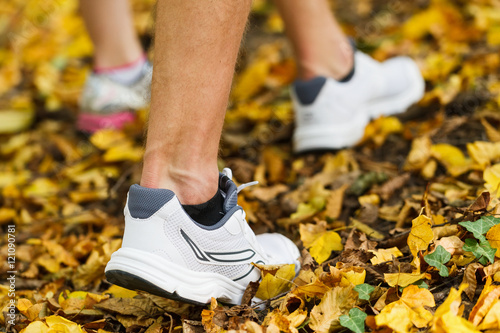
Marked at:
<point>280,249</point>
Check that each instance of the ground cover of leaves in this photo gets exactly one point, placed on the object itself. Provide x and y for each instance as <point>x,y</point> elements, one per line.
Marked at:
<point>400,233</point>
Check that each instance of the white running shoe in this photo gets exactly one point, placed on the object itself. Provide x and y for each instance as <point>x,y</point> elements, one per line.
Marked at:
<point>107,104</point>
<point>332,115</point>
<point>165,252</point>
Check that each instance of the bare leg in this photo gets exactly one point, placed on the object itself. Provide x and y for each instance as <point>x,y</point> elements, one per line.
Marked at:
<point>110,26</point>
<point>320,46</point>
<point>195,52</point>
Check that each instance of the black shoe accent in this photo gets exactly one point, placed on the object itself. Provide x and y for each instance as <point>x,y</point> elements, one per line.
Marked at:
<point>307,91</point>
<point>133,282</point>
<point>349,76</point>
<point>208,213</point>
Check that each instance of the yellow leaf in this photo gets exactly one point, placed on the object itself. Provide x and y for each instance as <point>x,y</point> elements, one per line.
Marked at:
<point>483,153</point>
<point>382,255</point>
<point>411,306</point>
<point>420,236</point>
<point>450,308</point>
<point>120,292</point>
<point>395,315</point>
<point>23,304</point>
<point>403,279</point>
<point>322,247</point>
<point>379,129</point>
<point>369,231</point>
<point>491,176</point>
<point>60,324</point>
<point>372,199</point>
<point>336,302</point>
<point>489,295</point>
<point>450,323</point>
<point>452,158</point>
<point>271,286</point>
<point>304,210</point>
<point>309,232</point>
<point>12,121</point>
<point>492,319</point>
<point>41,188</point>
<point>107,138</point>
<point>416,297</point>
<point>36,327</point>
<point>7,214</point>
<point>419,154</point>
<point>123,152</point>
<point>493,36</point>
<point>354,275</point>
<point>251,80</point>
<point>493,236</point>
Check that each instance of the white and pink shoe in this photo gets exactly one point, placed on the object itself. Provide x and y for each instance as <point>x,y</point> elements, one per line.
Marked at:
<point>106,103</point>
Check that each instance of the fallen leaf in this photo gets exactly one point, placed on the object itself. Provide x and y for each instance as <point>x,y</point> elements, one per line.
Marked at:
<point>355,321</point>
<point>273,285</point>
<point>336,302</point>
<point>420,236</point>
<point>438,259</point>
<point>383,255</point>
<point>323,246</point>
<point>403,279</point>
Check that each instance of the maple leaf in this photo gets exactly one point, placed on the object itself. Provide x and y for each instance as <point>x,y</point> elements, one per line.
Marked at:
<point>336,302</point>
<point>438,258</point>
<point>355,321</point>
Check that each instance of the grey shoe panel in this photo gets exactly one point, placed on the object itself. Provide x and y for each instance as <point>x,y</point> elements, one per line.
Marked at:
<point>144,202</point>
<point>307,91</point>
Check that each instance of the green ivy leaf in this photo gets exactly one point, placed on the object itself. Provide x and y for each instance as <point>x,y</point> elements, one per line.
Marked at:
<point>482,251</point>
<point>364,290</point>
<point>481,226</point>
<point>355,321</point>
<point>438,258</point>
<point>421,284</point>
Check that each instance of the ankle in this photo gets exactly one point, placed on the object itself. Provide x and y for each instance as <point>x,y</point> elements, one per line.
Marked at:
<point>336,62</point>
<point>191,186</point>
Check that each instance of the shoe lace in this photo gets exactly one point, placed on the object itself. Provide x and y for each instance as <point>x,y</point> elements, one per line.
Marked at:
<point>247,231</point>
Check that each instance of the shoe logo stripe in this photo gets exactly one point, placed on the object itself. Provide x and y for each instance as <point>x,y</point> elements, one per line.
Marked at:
<point>222,257</point>
<point>249,271</point>
<point>231,256</point>
<point>197,252</point>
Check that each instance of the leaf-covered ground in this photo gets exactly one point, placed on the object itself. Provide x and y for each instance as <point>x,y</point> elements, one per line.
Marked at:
<point>399,233</point>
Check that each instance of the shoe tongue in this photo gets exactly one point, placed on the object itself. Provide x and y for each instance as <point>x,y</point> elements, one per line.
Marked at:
<point>230,192</point>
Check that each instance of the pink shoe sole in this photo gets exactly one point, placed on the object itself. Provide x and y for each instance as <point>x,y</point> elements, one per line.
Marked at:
<point>90,123</point>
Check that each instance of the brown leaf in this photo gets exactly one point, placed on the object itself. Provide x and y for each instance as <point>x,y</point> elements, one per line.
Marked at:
<point>357,240</point>
<point>169,305</point>
<point>249,293</point>
<point>334,202</point>
<point>470,279</point>
<point>387,189</point>
<point>138,307</point>
<point>481,202</point>
<point>192,326</point>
